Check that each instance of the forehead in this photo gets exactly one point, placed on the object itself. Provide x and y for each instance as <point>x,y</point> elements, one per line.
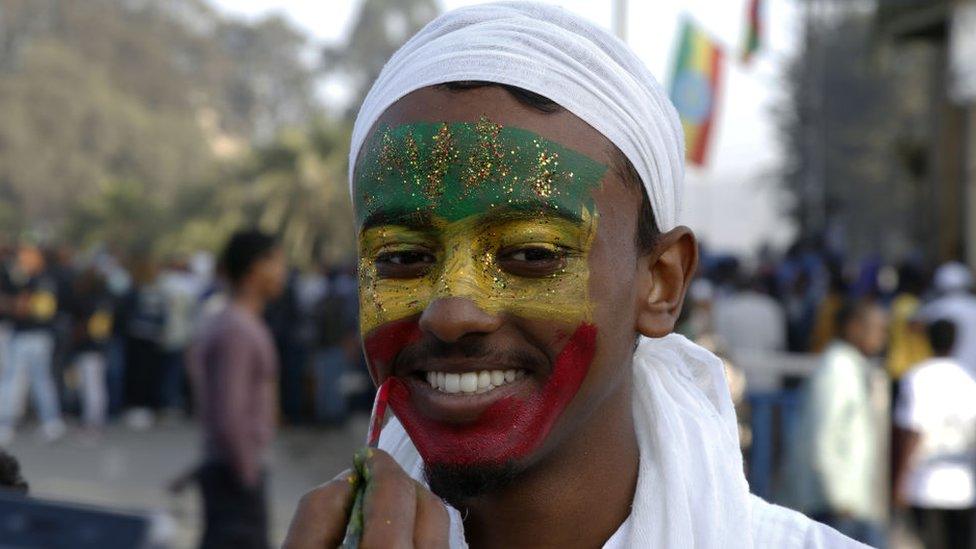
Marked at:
<point>433,104</point>
<point>417,172</point>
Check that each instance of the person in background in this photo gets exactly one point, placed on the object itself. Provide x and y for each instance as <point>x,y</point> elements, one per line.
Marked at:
<point>337,346</point>
<point>934,469</point>
<point>92,323</point>
<point>838,462</point>
<point>908,344</point>
<point>825,323</point>
<point>696,322</point>
<point>953,283</point>
<point>33,305</point>
<point>142,317</point>
<point>117,285</point>
<point>234,369</point>
<point>10,477</point>
<point>284,319</point>
<point>60,267</point>
<point>750,319</point>
<point>181,290</point>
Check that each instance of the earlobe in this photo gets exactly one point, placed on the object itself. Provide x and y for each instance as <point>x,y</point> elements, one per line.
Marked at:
<point>664,277</point>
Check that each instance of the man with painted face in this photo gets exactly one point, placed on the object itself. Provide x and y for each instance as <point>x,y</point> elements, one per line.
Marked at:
<point>516,174</point>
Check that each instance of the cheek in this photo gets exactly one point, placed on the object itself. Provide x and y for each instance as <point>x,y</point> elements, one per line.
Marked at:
<point>613,285</point>
<point>383,344</point>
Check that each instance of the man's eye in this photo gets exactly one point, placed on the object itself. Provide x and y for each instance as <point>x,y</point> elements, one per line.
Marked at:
<point>404,263</point>
<point>532,261</point>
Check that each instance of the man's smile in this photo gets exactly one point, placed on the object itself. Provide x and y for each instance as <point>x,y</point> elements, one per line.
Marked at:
<point>495,425</point>
<point>456,398</point>
<point>468,383</point>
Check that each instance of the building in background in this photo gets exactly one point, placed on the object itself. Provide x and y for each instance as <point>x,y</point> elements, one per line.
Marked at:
<point>947,165</point>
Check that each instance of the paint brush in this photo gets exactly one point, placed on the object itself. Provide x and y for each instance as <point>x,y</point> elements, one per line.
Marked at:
<point>354,528</point>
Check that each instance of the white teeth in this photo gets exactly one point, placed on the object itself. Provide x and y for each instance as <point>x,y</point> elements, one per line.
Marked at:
<point>452,383</point>
<point>472,382</point>
<point>469,382</point>
<point>484,380</point>
<point>497,378</point>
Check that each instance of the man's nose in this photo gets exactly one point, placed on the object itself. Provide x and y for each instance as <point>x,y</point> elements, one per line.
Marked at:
<point>450,318</point>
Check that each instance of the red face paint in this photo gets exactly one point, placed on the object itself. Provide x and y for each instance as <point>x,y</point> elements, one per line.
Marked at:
<point>384,343</point>
<point>508,429</point>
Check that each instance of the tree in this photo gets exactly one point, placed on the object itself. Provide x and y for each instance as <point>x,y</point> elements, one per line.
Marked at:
<point>164,95</point>
<point>293,187</point>
<point>380,28</point>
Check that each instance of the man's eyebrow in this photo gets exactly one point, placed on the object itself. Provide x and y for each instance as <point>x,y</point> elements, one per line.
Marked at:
<point>424,219</point>
<point>401,217</point>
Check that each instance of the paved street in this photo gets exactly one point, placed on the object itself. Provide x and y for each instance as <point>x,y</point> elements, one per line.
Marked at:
<point>130,470</point>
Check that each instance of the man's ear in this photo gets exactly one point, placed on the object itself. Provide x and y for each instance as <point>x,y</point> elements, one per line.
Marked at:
<point>662,280</point>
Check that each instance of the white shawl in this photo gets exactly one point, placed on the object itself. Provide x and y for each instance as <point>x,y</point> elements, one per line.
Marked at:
<point>691,490</point>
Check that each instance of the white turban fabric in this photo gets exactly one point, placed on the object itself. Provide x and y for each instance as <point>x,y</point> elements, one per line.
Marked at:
<point>547,50</point>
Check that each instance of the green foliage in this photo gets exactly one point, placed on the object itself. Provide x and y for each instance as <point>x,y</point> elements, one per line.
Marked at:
<point>161,127</point>
<point>67,131</point>
<point>294,187</point>
<point>381,27</point>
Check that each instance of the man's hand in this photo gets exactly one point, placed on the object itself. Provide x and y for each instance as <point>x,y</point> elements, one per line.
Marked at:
<point>397,511</point>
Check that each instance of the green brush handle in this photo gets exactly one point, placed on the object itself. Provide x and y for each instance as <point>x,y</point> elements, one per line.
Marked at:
<point>354,528</point>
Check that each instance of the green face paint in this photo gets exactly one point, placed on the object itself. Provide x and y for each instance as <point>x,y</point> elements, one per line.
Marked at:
<point>452,171</point>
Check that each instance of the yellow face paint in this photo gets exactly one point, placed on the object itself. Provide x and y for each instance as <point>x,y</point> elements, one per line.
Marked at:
<point>528,266</point>
<point>497,215</point>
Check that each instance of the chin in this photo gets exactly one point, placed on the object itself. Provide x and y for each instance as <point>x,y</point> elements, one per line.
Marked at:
<point>459,484</point>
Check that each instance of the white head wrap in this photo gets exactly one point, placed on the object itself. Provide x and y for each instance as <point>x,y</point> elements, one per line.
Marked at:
<point>953,277</point>
<point>547,50</point>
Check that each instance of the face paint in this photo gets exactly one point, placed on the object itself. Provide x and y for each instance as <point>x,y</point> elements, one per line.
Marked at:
<point>510,428</point>
<point>496,215</point>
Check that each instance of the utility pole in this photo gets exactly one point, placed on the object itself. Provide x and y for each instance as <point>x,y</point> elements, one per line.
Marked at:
<point>620,19</point>
<point>815,130</point>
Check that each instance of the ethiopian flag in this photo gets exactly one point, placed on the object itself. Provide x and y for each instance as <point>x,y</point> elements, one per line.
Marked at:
<point>694,88</point>
<point>753,30</point>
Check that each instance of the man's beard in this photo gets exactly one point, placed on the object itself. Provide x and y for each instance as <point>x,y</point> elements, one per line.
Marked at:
<point>457,484</point>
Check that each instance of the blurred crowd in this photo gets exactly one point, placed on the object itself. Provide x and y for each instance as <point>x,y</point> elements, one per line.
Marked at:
<point>877,425</point>
<point>88,338</point>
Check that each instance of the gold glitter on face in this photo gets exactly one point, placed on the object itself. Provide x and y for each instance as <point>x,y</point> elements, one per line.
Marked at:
<point>529,266</point>
<point>497,215</point>
<point>455,170</point>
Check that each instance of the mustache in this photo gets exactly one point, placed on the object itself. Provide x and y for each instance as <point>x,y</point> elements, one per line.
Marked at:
<point>476,349</point>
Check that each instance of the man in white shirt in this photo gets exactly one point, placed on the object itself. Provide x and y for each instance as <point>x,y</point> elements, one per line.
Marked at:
<point>954,283</point>
<point>516,173</point>
<point>936,414</point>
<point>838,451</point>
<point>750,320</point>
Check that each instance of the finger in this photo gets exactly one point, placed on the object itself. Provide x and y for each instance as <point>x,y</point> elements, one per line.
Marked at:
<point>433,522</point>
<point>320,520</point>
<point>389,508</point>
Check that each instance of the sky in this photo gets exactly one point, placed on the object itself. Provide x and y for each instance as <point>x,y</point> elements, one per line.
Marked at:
<point>732,203</point>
